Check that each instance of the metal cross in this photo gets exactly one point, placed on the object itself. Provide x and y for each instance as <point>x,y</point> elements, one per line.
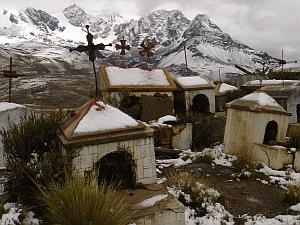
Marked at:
<point>123,47</point>
<point>147,49</point>
<point>91,48</point>
<point>10,74</point>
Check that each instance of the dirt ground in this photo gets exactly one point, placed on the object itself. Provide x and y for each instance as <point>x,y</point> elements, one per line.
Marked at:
<point>247,196</point>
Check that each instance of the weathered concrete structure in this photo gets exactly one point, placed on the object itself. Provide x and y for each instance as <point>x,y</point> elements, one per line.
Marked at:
<point>288,97</point>
<point>225,93</point>
<point>99,133</point>
<point>255,122</point>
<point>145,95</point>
<point>194,95</point>
<point>9,112</point>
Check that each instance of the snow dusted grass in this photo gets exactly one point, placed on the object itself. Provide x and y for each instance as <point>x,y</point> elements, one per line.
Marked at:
<point>14,214</point>
<point>203,203</point>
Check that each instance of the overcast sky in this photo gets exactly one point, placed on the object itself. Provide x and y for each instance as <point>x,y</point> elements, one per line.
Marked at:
<point>268,25</point>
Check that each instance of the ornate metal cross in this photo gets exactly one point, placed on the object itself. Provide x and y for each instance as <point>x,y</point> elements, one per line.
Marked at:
<point>123,47</point>
<point>10,74</point>
<point>91,48</point>
<point>147,49</point>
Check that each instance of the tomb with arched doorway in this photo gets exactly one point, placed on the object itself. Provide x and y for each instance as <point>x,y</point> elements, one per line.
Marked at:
<point>104,144</point>
<point>194,96</point>
<point>256,126</point>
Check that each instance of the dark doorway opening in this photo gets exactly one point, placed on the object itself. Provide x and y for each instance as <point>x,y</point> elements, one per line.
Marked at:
<point>117,168</point>
<point>132,106</point>
<point>200,104</point>
<point>298,113</point>
<point>271,133</point>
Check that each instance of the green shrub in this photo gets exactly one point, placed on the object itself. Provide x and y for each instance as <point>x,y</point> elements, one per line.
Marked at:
<point>80,203</point>
<point>32,155</point>
<point>292,194</point>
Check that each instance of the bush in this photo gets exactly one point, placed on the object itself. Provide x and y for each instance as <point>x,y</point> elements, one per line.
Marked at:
<point>80,203</point>
<point>32,155</point>
<point>292,194</point>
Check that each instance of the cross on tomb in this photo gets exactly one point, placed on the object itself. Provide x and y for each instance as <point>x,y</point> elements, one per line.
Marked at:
<point>10,74</point>
<point>146,50</point>
<point>91,48</point>
<point>123,47</point>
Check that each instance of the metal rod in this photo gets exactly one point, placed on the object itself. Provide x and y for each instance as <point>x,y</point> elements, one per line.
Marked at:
<point>96,89</point>
<point>10,75</point>
<point>186,63</point>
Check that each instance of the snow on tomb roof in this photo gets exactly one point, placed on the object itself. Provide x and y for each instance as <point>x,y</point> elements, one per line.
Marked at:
<point>281,91</point>
<point>96,119</point>
<point>257,102</point>
<point>193,82</point>
<point>226,87</point>
<point>272,82</point>
<point>136,78</point>
<point>5,106</point>
<point>102,117</point>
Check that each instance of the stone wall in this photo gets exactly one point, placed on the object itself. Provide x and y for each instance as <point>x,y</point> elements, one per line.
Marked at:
<point>85,159</point>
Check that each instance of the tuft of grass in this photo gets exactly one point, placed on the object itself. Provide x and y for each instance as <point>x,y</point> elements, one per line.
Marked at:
<point>243,163</point>
<point>79,203</point>
<point>199,194</point>
<point>292,194</point>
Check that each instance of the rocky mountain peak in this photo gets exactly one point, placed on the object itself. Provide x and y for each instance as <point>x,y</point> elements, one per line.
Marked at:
<point>76,15</point>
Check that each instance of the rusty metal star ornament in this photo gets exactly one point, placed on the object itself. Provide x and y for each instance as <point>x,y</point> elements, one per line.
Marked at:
<point>123,47</point>
<point>146,49</point>
<point>91,48</point>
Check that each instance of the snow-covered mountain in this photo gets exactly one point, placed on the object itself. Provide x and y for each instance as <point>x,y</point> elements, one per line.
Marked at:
<point>208,47</point>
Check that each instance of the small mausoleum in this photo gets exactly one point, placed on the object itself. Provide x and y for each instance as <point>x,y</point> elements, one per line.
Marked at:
<point>225,93</point>
<point>255,121</point>
<point>143,94</point>
<point>9,112</point>
<point>195,95</point>
<point>288,97</point>
<point>105,144</point>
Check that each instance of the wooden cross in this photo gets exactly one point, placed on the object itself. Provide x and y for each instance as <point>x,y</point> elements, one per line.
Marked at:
<point>123,47</point>
<point>10,74</point>
<point>91,48</point>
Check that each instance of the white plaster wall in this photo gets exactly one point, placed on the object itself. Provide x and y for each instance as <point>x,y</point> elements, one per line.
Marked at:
<point>142,150</point>
<point>275,157</point>
<point>244,129</point>
<point>292,103</point>
<point>209,93</point>
<point>184,139</point>
<point>15,116</point>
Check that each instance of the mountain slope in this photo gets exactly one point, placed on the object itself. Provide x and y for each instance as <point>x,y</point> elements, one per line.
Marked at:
<point>208,47</point>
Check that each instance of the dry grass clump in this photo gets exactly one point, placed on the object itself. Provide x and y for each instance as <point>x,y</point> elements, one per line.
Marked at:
<point>80,203</point>
<point>292,194</point>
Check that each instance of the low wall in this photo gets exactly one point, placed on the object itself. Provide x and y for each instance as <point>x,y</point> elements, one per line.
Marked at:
<point>275,157</point>
<point>294,134</point>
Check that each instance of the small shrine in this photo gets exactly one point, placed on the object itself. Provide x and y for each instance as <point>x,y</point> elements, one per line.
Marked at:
<point>105,144</point>
<point>144,94</point>
<point>195,95</point>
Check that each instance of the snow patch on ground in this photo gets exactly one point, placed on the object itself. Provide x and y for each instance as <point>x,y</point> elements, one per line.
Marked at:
<point>151,201</point>
<point>278,220</point>
<point>295,207</point>
<point>5,106</point>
